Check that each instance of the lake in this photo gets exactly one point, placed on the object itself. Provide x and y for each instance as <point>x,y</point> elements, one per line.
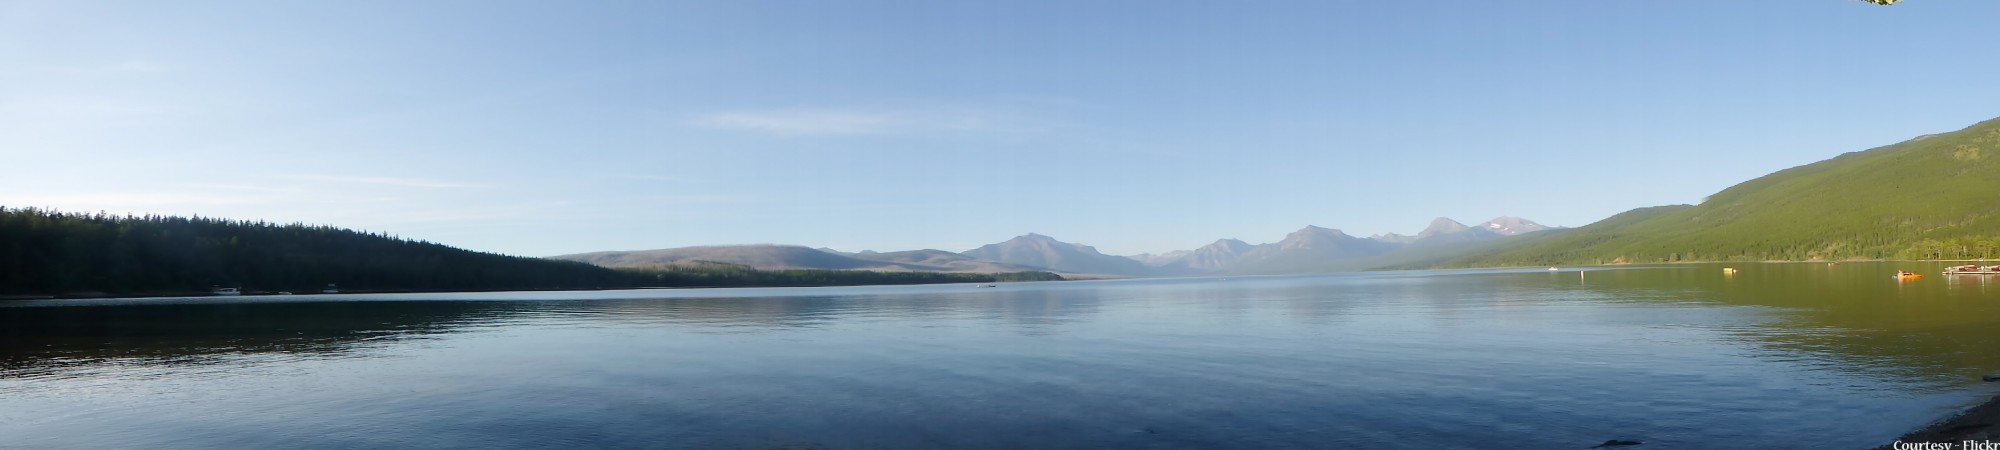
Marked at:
<point>1776,356</point>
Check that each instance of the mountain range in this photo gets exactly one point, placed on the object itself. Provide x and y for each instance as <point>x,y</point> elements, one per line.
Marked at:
<point>789,257</point>
<point>1931,197</point>
<point>1311,249</point>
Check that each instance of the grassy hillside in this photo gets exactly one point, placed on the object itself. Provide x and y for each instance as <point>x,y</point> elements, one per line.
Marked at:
<point>1899,201</point>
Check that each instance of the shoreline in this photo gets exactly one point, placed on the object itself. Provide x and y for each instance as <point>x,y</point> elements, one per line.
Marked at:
<point>1675,263</point>
<point>91,295</point>
<point>83,295</point>
<point>1972,424</point>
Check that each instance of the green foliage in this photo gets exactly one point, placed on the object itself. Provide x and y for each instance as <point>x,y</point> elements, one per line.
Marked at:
<point>1958,249</point>
<point>53,252</point>
<point>48,252</point>
<point>1874,204</point>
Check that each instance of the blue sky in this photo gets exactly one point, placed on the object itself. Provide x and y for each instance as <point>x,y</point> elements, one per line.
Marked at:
<point>541,128</point>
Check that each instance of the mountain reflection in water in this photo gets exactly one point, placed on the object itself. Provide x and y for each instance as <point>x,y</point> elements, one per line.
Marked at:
<point>1785,355</point>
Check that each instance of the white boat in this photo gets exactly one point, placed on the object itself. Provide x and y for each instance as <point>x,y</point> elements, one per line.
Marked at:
<point>1972,270</point>
<point>1552,269</point>
<point>225,291</point>
<point>330,289</point>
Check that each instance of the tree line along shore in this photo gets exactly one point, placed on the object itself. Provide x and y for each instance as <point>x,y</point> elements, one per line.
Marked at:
<point>50,253</point>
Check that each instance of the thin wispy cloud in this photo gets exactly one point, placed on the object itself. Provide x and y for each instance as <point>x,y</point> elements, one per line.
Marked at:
<point>134,67</point>
<point>516,211</point>
<point>204,196</point>
<point>119,68</point>
<point>806,122</point>
<point>244,187</point>
<point>866,121</point>
<point>666,178</point>
<point>79,106</point>
<point>377,181</point>
<point>118,200</point>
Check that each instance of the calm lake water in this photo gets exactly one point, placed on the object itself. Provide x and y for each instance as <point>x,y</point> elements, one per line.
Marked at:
<point>1777,356</point>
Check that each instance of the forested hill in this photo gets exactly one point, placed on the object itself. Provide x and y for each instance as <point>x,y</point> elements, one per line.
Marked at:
<point>1935,196</point>
<point>44,252</point>
<point>53,253</point>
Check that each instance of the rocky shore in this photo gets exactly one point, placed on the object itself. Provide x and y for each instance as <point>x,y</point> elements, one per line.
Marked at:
<point>1974,424</point>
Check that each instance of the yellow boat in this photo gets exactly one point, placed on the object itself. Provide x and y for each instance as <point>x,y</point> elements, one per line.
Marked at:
<point>1901,275</point>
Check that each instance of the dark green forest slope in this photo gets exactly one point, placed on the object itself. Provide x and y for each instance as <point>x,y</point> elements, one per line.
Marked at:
<point>53,252</point>
<point>1935,196</point>
<point>49,253</point>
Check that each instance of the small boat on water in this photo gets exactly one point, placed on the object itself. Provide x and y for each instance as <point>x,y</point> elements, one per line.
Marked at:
<point>1552,269</point>
<point>1972,270</point>
<point>1901,275</point>
<point>1729,271</point>
<point>225,291</point>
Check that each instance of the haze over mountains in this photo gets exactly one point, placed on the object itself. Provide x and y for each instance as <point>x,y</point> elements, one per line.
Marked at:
<point>1931,197</point>
<point>1042,251</point>
<point>786,257</point>
<point>1316,249</point>
<point>1311,249</point>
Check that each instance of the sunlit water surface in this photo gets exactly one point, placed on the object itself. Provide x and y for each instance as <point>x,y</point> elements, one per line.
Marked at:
<point>1777,356</point>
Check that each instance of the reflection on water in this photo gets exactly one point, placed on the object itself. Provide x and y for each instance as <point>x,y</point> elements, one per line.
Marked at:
<point>1937,332</point>
<point>1778,355</point>
<point>50,339</point>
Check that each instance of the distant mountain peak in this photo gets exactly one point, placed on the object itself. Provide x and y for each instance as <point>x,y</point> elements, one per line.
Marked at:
<point>1225,246</point>
<point>1442,225</point>
<point>1315,229</point>
<point>1034,249</point>
<point>1510,225</point>
<point>1393,238</point>
<point>1312,248</point>
<point>1036,237</point>
<point>1314,237</point>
